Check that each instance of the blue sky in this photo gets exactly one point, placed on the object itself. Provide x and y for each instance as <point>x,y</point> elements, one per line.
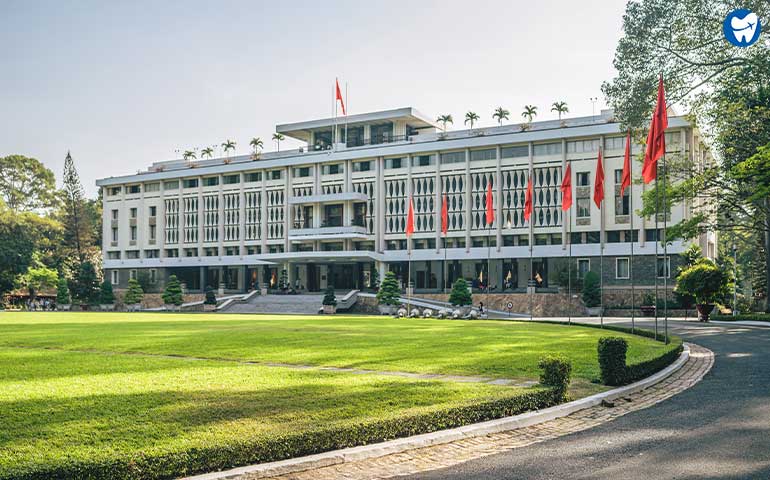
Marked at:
<point>123,84</point>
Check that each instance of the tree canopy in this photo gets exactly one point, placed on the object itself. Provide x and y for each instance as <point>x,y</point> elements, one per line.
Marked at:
<point>26,184</point>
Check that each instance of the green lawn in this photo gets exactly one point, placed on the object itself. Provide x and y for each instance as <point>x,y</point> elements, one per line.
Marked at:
<point>70,401</point>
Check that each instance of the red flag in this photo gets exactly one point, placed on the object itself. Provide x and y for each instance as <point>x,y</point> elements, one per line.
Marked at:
<point>599,181</point>
<point>490,204</point>
<point>625,179</point>
<point>410,219</point>
<point>528,200</point>
<point>656,139</point>
<point>444,216</point>
<point>339,96</point>
<point>566,189</point>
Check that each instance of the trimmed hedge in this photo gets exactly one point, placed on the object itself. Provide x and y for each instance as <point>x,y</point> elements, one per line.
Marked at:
<point>612,360</point>
<point>747,317</point>
<point>556,373</point>
<point>214,458</point>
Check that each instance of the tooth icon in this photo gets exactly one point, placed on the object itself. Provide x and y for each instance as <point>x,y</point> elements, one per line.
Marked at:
<point>744,28</point>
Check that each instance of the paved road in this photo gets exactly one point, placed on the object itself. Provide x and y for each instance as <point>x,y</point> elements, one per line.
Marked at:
<point>720,428</point>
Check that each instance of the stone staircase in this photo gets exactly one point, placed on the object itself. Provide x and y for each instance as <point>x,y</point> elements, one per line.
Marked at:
<point>307,304</point>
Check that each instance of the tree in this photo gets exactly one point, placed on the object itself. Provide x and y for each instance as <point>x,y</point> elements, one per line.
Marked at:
<point>228,145</point>
<point>256,143</point>
<point>26,184</point>
<point>172,295</point>
<point>560,108</point>
<point>728,92</point>
<point>135,294</point>
<point>592,291</point>
<point>471,117</point>
<point>374,279</point>
<point>211,298</point>
<point>106,296</point>
<point>38,277</point>
<point>705,281</point>
<point>460,295</point>
<point>444,119</point>
<point>62,292</point>
<point>85,285</point>
<point>389,293</point>
<point>530,112</point>
<point>278,138</point>
<point>78,230</point>
<point>189,155</point>
<point>329,297</point>
<point>207,152</point>
<point>19,236</point>
<point>500,115</point>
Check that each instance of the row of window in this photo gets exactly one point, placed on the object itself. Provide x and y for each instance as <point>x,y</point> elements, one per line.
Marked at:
<point>622,267</point>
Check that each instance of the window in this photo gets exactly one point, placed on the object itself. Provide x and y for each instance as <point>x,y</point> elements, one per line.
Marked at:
<point>593,237</point>
<point>231,179</point>
<point>132,254</point>
<point>613,236</point>
<point>362,166</point>
<point>452,157</point>
<point>133,213</point>
<point>190,252</point>
<point>231,251</point>
<point>132,274</point>
<point>153,232</point>
<point>113,255</point>
<point>114,277</point>
<point>276,174</point>
<point>211,181</point>
<point>664,267</point>
<point>301,172</point>
<point>153,211</point>
<point>114,191</point>
<point>115,234</point>
<point>133,233</point>
<point>583,146</point>
<point>331,247</point>
<point>172,252</point>
<point>134,189</point>
<point>423,160</point>
<point>515,151</point>
<point>394,163</point>
<point>621,268</point>
<point>151,253</point>
<point>622,203</point>
<point>652,235</point>
<point>153,276</point>
<point>211,252</point>
<point>615,143</point>
<point>171,185</point>
<point>253,250</point>
<point>541,239</point>
<point>332,169</point>
<point>333,215</point>
<point>673,138</point>
<point>481,155</point>
<point>190,183</point>
<point>252,177</point>
<point>583,180</point>
<point>547,149</point>
<point>583,207</point>
<point>114,214</point>
<point>152,187</point>
<point>583,266</point>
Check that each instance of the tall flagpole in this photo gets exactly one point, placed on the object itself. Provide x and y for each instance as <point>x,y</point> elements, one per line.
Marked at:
<point>334,134</point>
<point>601,245</point>
<point>631,216</point>
<point>665,253</point>
<point>347,102</point>
<point>531,287</point>
<point>569,265</point>
<point>657,242</point>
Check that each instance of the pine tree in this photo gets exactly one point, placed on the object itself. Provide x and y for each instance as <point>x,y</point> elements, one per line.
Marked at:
<point>460,295</point>
<point>63,292</point>
<point>389,293</point>
<point>592,291</point>
<point>329,297</point>
<point>374,280</point>
<point>78,234</point>
<point>211,298</point>
<point>85,285</point>
<point>173,293</point>
<point>135,293</point>
<point>107,296</point>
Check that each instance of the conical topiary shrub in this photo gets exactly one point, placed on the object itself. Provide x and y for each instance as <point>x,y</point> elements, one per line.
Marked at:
<point>592,291</point>
<point>134,294</point>
<point>389,293</point>
<point>460,296</point>
<point>106,296</point>
<point>172,295</point>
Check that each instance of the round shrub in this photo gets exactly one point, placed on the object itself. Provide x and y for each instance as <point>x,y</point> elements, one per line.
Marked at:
<point>612,360</point>
<point>556,372</point>
<point>211,297</point>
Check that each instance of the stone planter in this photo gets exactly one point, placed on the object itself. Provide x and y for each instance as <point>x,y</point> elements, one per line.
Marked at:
<point>594,311</point>
<point>134,307</point>
<point>64,307</point>
<point>172,308</point>
<point>330,309</point>
<point>464,309</point>
<point>263,291</point>
<point>648,310</point>
<point>387,309</point>
<point>107,307</point>
<point>704,311</point>
<point>209,308</point>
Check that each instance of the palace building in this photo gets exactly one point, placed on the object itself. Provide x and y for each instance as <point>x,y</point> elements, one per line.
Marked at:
<point>332,213</point>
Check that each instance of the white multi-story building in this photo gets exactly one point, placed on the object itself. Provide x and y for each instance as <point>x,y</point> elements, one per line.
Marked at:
<point>330,214</point>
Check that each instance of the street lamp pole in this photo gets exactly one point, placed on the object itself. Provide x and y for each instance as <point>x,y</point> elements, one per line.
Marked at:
<point>735,279</point>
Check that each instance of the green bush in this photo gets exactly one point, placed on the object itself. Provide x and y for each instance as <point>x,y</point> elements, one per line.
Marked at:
<point>211,298</point>
<point>704,281</point>
<point>612,360</point>
<point>389,293</point>
<point>556,372</point>
<point>63,292</point>
<point>460,295</point>
<point>329,297</point>
<point>746,317</point>
<point>592,291</point>
<point>107,296</point>
<point>172,295</point>
<point>134,293</point>
<point>222,457</point>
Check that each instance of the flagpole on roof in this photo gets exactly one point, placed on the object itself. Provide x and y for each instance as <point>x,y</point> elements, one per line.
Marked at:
<point>334,134</point>
<point>347,102</point>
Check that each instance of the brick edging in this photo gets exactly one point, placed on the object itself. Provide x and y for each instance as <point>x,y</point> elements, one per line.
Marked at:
<point>351,454</point>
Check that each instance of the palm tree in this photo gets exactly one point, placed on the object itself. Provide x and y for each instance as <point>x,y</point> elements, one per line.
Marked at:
<point>256,144</point>
<point>444,119</point>
<point>471,117</point>
<point>227,146</point>
<point>530,112</point>
<point>189,154</point>
<point>501,114</point>
<point>560,108</point>
<point>278,137</point>
<point>207,152</point>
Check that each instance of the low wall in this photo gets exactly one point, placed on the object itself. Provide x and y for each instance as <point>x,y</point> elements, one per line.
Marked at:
<point>155,300</point>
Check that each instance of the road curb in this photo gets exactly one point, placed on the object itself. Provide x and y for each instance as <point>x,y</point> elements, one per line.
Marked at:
<point>293,465</point>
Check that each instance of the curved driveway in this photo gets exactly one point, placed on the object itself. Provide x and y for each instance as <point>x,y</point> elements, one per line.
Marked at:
<point>719,428</point>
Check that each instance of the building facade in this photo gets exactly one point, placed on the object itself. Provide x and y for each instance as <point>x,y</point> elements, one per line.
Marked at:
<point>334,211</point>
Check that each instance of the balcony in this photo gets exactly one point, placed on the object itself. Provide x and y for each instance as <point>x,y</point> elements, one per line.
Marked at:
<point>330,197</point>
<point>324,233</point>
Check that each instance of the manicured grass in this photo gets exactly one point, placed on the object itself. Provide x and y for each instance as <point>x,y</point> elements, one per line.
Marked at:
<point>73,403</point>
